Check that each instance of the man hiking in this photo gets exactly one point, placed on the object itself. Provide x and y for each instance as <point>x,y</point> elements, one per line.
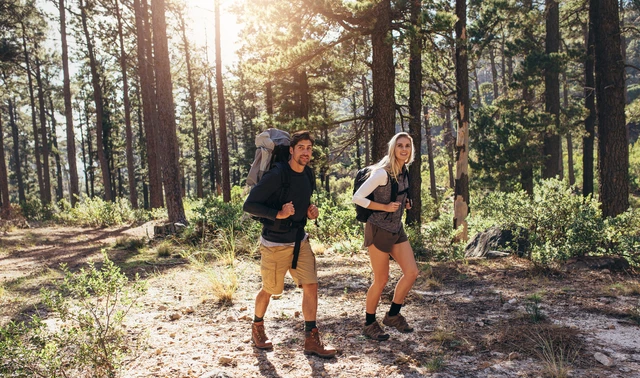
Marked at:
<point>284,245</point>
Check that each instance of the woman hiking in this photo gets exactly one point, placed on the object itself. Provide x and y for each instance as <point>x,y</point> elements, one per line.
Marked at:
<point>384,234</point>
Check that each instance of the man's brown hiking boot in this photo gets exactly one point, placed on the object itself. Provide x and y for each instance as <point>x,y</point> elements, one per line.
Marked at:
<point>397,321</point>
<point>373,331</point>
<point>313,345</point>
<point>259,337</point>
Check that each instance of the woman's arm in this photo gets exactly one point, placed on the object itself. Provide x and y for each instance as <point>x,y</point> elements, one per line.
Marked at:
<point>379,177</point>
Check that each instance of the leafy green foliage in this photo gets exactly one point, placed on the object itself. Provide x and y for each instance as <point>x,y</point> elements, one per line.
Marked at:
<point>88,337</point>
<point>560,223</point>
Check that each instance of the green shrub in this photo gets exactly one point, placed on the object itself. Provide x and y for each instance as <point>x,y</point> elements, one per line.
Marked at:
<point>560,223</point>
<point>88,337</point>
<point>34,210</point>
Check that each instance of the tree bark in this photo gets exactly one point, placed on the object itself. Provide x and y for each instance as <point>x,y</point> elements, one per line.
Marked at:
<point>4,177</point>
<point>56,152</point>
<point>269,98</point>
<point>415,109</point>
<point>590,121</point>
<point>192,106</point>
<point>367,135</point>
<point>217,183</point>
<point>97,99</point>
<point>46,174</point>
<point>383,75</point>
<point>552,141</point>
<point>149,106</point>
<point>432,167</point>
<point>171,169</point>
<point>131,171</point>
<point>613,140</point>
<point>224,146</point>
<point>449,144</point>
<point>16,153</point>
<point>570,170</point>
<point>34,123</point>
<point>461,190</point>
<point>494,74</point>
<point>74,188</point>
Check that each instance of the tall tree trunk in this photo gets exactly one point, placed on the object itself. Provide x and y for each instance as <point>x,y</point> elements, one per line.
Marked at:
<point>432,168</point>
<point>461,190</point>
<point>269,98</point>
<point>97,99</point>
<point>90,150</point>
<point>613,140</point>
<point>34,123</point>
<point>142,148</point>
<point>56,152</point>
<point>305,98</point>
<point>383,75</point>
<point>570,170</point>
<point>192,106</point>
<point>46,174</point>
<point>415,109</point>
<point>365,106</point>
<point>74,188</point>
<point>131,170</point>
<point>224,147</point>
<point>4,177</point>
<point>171,169</point>
<point>503,64</point>
<point>494,74</point>
<point>552,141</point>
<point>16,153</point>
<point>449,143</point>
<point>590,121</point>
<point>623,48</point>
<point>477,85</point>
<point>84,161</point>
<point>217,183</point>
<point>149,107</point>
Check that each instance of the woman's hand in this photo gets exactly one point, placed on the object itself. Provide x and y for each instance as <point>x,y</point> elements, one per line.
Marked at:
<point>407,204</point>
<point>391,207</point>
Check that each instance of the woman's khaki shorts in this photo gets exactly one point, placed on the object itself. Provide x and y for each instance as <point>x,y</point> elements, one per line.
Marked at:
<point>276,262</point>
<point>381,238</point>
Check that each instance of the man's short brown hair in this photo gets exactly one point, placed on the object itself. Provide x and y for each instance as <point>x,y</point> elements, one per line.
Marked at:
<point>300,135</point>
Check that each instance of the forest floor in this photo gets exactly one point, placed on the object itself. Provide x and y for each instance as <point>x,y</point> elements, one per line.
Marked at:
<point>472,318</point>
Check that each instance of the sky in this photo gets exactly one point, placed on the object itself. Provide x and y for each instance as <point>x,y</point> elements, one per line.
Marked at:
<point>201,13</point>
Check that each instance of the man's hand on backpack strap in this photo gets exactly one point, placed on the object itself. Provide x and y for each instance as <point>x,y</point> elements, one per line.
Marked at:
<point>312,212</point>
<point>287,211</point>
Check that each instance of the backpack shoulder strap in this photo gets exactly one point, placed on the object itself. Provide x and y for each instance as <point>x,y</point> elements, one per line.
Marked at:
<point>394,187</point>
<point>311,176</point>
<point>285,180</point>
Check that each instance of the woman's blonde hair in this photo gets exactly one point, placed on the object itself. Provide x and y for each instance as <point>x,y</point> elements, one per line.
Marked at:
<point>389,162</point>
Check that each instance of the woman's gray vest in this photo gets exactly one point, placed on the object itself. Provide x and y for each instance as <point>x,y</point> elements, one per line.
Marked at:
<point>391,222</point>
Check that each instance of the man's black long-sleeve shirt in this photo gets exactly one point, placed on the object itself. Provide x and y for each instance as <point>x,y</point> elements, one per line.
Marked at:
<point>264,201</point>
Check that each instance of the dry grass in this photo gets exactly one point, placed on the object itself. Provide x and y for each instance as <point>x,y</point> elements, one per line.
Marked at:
<point>556,352</point>
<point>164,249</point>
<point>623,288</point>
<point>222,283</point>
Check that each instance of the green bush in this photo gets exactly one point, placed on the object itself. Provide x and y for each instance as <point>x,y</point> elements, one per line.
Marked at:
<point>560,223</point>
<point>88,337</point>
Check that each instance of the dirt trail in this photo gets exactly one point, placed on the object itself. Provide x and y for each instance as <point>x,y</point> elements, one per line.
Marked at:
<point>472,319</point>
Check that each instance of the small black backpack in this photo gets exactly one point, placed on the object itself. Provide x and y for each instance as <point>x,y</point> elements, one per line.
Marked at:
<point>362,213</point>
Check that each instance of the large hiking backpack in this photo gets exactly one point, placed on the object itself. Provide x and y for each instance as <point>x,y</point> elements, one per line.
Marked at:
<point>362,213</point>
<point>272,147</point>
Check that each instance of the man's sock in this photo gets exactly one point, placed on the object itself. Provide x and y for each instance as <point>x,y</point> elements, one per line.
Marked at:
<point>308,326</point>
<point>395,309</point>
<point>370,318</point>
<point>256,319</point>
